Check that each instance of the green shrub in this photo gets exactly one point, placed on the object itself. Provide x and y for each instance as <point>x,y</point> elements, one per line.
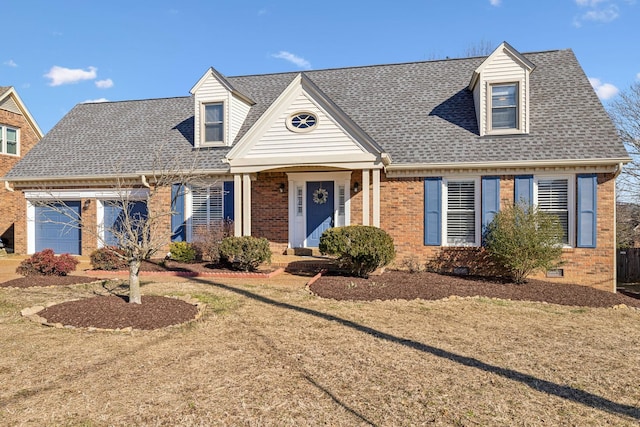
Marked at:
<point>245,253</point>
<point>360,249</point>
<point>524,239</point>
<point>107,259</point>
<point>182,252</point>
<point>46,263</point>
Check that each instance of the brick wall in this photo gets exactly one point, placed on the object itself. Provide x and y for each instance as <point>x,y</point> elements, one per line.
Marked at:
<point>402,204</point>
<point>270,210</point>
<point>12,204</point>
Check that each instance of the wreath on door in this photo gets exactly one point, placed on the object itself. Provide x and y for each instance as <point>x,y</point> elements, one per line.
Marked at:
<point>320,196</point>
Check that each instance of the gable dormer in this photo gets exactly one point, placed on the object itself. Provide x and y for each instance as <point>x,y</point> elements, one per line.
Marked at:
<point>219,110</point>
<point>500,87</point>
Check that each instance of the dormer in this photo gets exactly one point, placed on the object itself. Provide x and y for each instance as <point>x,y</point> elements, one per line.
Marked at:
<point>219,110</point>
<point>500,87</point>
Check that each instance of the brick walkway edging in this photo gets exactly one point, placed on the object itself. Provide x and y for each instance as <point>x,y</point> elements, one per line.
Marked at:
<point>230,274</point>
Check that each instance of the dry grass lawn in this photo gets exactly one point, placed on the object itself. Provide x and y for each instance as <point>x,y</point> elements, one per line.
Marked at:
<point>269,353</point>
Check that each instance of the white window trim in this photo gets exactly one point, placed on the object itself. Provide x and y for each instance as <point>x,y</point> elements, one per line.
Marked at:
<point>520,104</point>
<point>4,143</point>
<point>477,207</point>
<point>225,124</point>
<point>188,207</point>
<point>571,202</point>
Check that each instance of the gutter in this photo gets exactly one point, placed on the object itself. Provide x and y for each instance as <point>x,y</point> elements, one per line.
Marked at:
<point>8,187</point>
<point>133,176</point>
<point>510,164</point>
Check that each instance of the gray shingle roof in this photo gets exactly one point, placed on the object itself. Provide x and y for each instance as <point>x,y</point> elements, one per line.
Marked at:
<point>418,112</point>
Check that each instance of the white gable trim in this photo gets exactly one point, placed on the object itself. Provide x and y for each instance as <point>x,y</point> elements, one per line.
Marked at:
<point>16,98</point>
<point>509,50</point>
<point>302,86</point>
<point>212,72</point>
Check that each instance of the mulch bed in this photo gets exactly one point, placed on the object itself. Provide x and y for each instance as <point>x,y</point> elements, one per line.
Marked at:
<point>432,286</point>
<point>41,281</point>
<point>113,312</point>
<point>194,267</point>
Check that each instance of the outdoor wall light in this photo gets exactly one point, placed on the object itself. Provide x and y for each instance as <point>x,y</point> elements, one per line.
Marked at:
<point>86,205</point>
<point>356,187</point>
<point>281,188</point>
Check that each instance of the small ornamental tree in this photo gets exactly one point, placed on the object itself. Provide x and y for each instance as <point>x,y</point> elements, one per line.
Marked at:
<point>360,249</point>
<point>524,239</point>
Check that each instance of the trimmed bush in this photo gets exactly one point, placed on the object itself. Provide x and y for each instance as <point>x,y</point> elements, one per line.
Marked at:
<point>245,253</point>
<point>182,252</point>
<point>360,249</point>
<point>107,259</point>
<point>46,263</point>
<point>524,239</point>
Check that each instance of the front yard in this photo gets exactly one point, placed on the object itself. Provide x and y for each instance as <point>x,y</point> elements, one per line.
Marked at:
<point>267,352</point>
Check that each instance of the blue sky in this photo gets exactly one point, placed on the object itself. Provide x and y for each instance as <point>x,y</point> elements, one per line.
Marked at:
<point>58,54</point>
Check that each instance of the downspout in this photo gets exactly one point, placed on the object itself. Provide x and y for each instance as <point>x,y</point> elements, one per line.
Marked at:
<point>144,181</point>
<point>618,170</point>
<point>615,229</point>
<point>8,187</point>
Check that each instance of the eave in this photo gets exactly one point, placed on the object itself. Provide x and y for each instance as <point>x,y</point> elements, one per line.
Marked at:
<point>610,165</point>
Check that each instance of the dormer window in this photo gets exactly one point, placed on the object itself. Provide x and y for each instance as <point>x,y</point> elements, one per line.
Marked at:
<point>504,106</point>
<point>500,87</point>
<point>214,123</point>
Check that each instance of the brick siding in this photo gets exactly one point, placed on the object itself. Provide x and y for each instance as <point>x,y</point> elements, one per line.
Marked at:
<point>12,204</point>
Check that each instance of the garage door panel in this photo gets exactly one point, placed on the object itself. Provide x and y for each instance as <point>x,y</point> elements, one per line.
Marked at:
<point>56,228</point>
<point>114,216</point>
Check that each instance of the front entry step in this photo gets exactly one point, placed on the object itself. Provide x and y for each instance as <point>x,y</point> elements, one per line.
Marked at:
<point>303,251</point>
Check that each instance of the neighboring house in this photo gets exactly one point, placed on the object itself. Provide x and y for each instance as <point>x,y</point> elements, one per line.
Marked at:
<point>428,151</point>
<point>18,134</point>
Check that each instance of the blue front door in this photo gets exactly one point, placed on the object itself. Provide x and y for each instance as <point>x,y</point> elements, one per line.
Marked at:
<point>320,210</point>
<point>58,228</point>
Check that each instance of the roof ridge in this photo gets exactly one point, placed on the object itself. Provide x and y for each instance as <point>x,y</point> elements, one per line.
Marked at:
<point>385,65</point>
<point>134,100</point>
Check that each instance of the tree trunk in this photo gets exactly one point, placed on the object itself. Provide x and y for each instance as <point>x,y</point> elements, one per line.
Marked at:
<point>134,282</point>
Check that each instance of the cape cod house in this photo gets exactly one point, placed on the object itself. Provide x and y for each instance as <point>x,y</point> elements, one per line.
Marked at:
<point>428,151</point>
<point>19,132</point>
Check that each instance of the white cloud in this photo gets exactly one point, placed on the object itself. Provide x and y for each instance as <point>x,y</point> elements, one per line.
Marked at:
<point>495,2</point>
<point>603,90</point>
<point>262,12</point>
<point>638,76</point>
<point>93,101</point>
<point>104,84</point>
<point>10,63</point>
<point>603,11</point>
<point>61,75</point>
<point>589,3</point>
<point>287,56</point>
<point>602,15</point>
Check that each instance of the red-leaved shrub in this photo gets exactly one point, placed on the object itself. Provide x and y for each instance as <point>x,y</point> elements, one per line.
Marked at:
<point>108,258</point>
<point>46,263</point>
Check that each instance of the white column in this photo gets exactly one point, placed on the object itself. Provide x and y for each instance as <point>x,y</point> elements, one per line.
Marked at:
<point>376,198</point>
<point>365,197</point>
<point>246,204</point>
<point>237,205</point>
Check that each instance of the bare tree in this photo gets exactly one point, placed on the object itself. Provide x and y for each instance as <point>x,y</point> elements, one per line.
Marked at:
<point>482,48</point>
<point>625,113</point>
<point>137,234</point>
